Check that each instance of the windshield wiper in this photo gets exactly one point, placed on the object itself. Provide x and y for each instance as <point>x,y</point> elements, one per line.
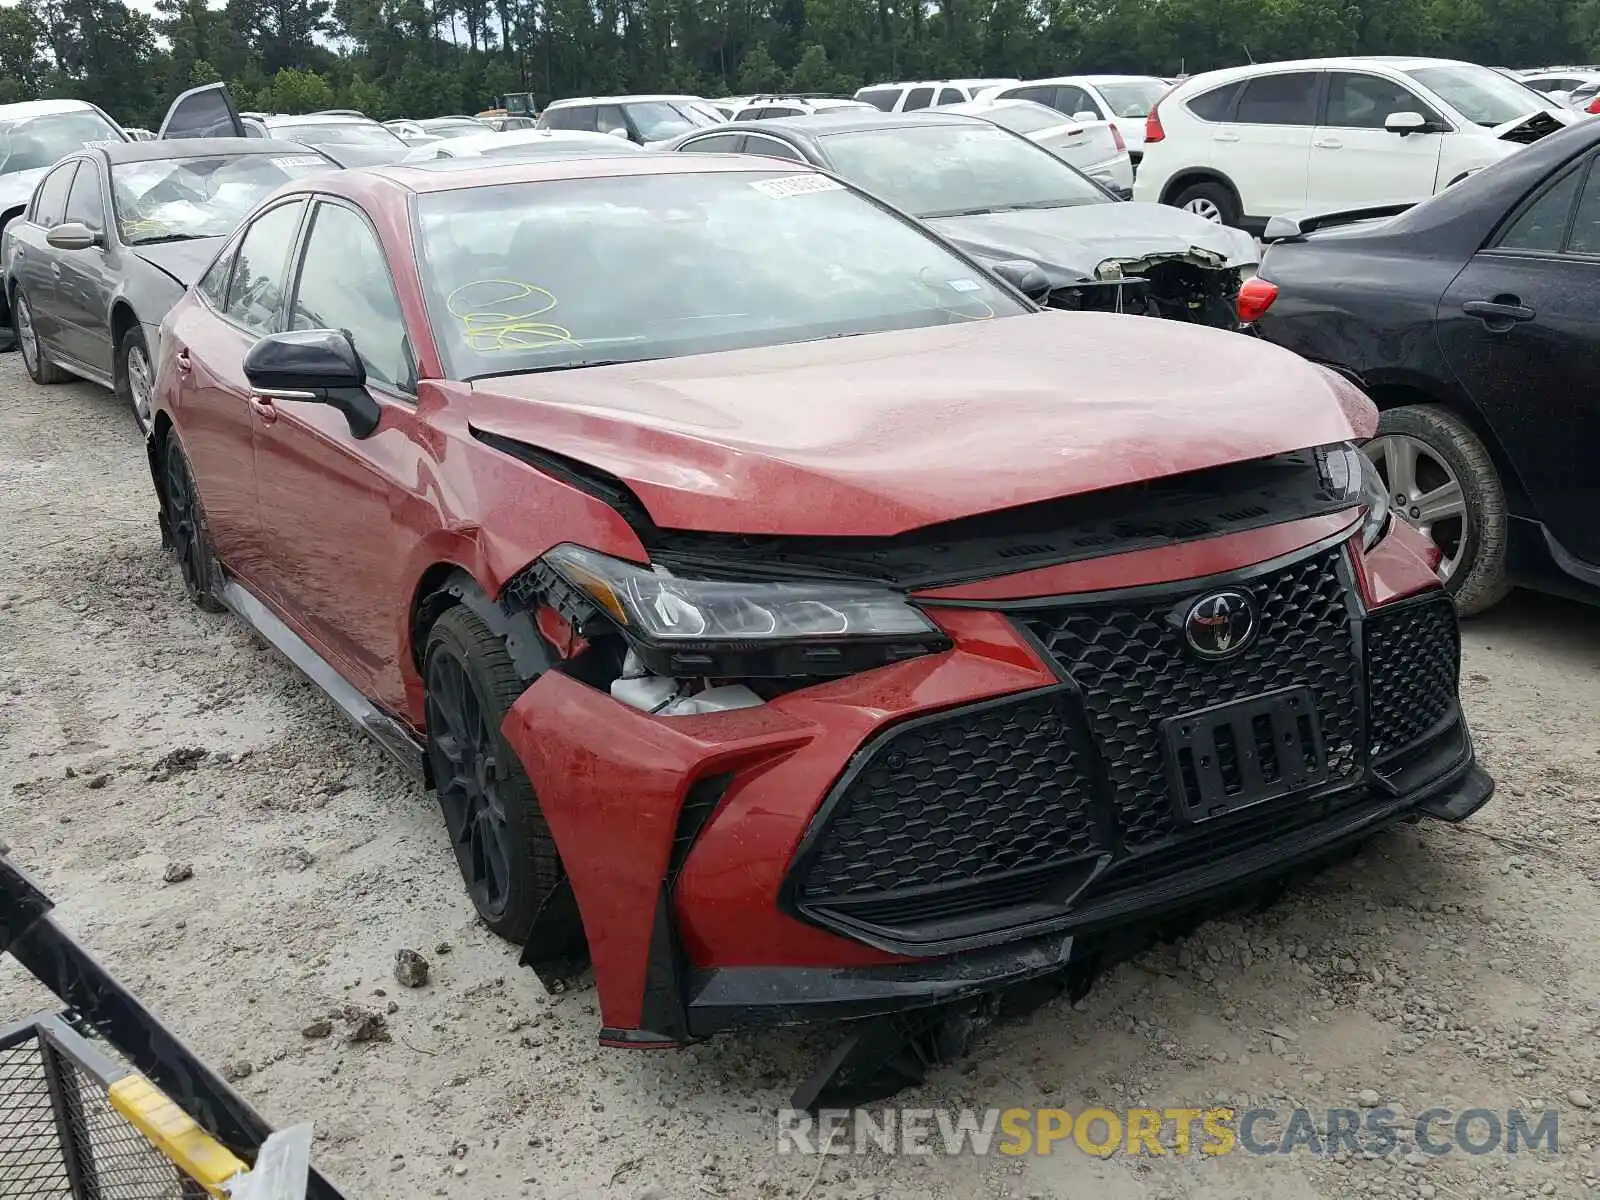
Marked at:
<point>169,237</point>
<point>996,208</point>
<point>566,366</point>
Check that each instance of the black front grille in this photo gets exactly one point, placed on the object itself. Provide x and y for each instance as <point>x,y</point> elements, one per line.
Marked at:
<point>1129,661</point>
<point>969,796</point>
<point>1413,664</point>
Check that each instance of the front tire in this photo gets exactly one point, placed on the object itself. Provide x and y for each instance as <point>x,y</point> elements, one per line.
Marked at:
<point>186,523</point>
<point>136,379</point>
<point>503,846</point>
<point>1210,200</point>
<point>1442,481</point>
<point>40,368</point>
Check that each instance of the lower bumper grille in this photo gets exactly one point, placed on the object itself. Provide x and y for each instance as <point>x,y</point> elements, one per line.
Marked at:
<point>1034,809</point>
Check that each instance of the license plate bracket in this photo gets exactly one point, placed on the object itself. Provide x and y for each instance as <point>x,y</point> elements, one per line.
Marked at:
<point>1230,756</point>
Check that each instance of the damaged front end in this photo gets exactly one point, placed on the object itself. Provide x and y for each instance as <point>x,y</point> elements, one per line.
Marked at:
<point>1198,287</point>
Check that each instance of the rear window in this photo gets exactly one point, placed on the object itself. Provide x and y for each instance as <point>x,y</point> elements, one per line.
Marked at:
<point>33,143</point>
<point>1289,99</point>
<point>341,133</point>
<point>1023,117</point>
<point>1131,99</point>
<point>1213,105</point>
<point>516,275</point>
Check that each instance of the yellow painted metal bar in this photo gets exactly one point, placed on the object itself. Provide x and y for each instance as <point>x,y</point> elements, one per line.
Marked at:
<point>173,1132</point>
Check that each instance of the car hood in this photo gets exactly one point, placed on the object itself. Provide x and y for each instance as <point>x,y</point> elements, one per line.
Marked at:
<point>184,261</point>
<point>16,187</point>
<point>875,435</point>
<point>1069,244</point>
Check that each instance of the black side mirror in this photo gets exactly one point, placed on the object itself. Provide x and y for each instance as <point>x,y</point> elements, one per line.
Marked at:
<point>1026,276</point>
<point>318,366</point>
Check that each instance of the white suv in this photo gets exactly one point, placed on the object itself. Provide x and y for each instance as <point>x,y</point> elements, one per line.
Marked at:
<point>1248,143</point>
<point>908,97</point>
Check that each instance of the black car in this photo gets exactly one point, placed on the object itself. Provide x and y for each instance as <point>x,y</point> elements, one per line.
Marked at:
<point>1004,199</point>
<point>113,236</point>
<point>1471,320</point>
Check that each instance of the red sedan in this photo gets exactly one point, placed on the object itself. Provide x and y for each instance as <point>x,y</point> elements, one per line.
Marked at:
<point>794,619</point>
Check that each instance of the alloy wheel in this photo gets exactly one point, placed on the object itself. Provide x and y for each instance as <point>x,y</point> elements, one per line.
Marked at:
<point>467,774</point>
<point>183,516</point>
<point>1426,495</point>
<point>141,386</point>
<point>27,338</point>
<point>1200,206</point>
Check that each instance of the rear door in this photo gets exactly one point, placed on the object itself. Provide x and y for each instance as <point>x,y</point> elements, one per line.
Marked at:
<point>1264,145</point>
<point>203,112</point>
<point>32,267</point>
<point>1518,328</point>
<point>213,414</point>
<point>329,500</point>
<point>1355,160</point>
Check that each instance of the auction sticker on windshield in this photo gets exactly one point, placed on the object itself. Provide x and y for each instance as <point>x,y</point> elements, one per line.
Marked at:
<point>301,160</point>
<point>796,185</point>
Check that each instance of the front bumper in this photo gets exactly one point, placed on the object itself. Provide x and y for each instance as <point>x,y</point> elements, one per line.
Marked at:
<point>967,821</point>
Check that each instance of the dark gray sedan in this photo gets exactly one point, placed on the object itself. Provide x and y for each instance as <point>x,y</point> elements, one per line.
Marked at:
<point>113,236</point>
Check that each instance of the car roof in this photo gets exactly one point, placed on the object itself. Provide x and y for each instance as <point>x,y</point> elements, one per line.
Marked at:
<point>850,120</point>
<point>1394,62</point>
<point>630,99</point>
<point>1094,79</point>
<point>43,108</point>
<point>317,119</point>
<point>199,147</point>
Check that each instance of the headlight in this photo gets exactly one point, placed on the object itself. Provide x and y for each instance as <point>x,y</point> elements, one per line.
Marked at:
<point>1353,477</point>
<point>723,628</point>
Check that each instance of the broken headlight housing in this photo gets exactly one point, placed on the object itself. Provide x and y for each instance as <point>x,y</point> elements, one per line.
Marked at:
<point>747,629</point>
<point>1351,475</point>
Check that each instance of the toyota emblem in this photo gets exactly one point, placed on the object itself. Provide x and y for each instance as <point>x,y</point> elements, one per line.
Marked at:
<point>1220,624</point>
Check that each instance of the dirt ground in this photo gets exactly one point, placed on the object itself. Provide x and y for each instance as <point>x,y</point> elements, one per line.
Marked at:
<point>1456,967</point>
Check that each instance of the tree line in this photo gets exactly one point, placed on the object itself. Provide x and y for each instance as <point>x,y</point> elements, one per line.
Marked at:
<point>421,58</point>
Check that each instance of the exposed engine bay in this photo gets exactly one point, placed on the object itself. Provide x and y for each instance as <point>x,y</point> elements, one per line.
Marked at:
<point>1196,287</point>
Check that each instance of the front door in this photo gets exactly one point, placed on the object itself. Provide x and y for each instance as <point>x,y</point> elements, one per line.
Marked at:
<point>206,345</point>
<point>85,278</point>
<point>332,515</point>
<point>1518,329</point>
<point>1355,160</point>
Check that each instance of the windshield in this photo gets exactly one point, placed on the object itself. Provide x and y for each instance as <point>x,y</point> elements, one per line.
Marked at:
<point>342,133</point>
<point>1023,116</point>
<point>957,170</point>
<point>657,120</point>
<point>172,199</point>
<point>1132,98</point>
<point>521,277</point>
<point>32,143</point>
<point>454,129</point>
<point>1482,96</point>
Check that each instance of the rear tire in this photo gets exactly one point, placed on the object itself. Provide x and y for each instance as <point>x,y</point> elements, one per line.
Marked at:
<point>1211,200</point>
<point>40,368</point>
<point>503,846</point>
<point>1475,542</point>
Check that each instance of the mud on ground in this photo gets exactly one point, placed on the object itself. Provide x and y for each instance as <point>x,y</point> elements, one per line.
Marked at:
<point>1457,967</point>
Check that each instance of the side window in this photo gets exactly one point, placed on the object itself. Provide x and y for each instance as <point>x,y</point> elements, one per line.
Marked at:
<point>1214,105</point>
<point>1585,236</point>
<point>881,99</point>
<point>917,98</point>
<point>950,95</point>
<point>1038,94</point>
<point>579,116</point>
<point>771,148</point>
<point>345,284</point>
<point>1288,99</point>
<point>50,202</point>
<point>214,283</point>
<point>255,295</point>
<point>1365,101</point>
<point>1543,224</point>
<point>608,117</point>
<point>717,143</point>
<point>84,202</point>
<point>1075,100</point>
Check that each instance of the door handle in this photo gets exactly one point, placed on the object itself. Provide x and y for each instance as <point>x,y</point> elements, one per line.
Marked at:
<point>1329,143</point>
<point>1226,137</point>
<point>184,363</point>
<point>264,409</point>
<point>1501,311</point>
